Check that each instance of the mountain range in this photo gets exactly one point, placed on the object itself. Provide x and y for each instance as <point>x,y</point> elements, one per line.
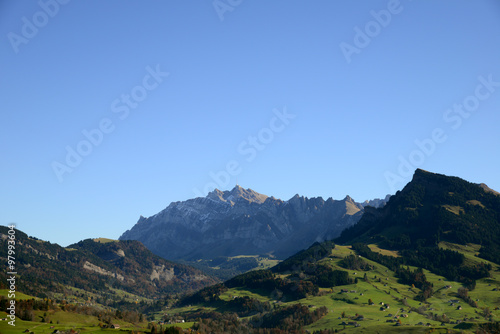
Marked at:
<point>431,251</point>
<point>244,222</point>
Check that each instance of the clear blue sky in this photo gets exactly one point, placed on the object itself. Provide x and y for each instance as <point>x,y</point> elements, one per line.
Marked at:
<point>359,93</point>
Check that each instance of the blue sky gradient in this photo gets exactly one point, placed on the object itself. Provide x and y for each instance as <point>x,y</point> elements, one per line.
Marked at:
<point>414,72</point>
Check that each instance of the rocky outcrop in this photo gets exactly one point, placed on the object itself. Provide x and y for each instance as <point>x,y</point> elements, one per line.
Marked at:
<point>134,265</point>
<point>377,202</point>
<point>92,267</point>
<point>162,273</point>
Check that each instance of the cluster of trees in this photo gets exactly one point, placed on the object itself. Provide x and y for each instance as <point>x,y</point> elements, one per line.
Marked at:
<point>441,261</point>
<point>251,279</point>
<point>226,323</point>
<point>226,267</point>
<point>205,295</point>
<point>297,286</point>
<point>264,280</point>
<point>141,307</point>
<point>221,323</point>
<point>155,329</point>
<point>447,263</point>
<point>490,327</point>
<point>292,318</point>
<point>246,306</point>
<point>463,293</point>
<point>354,262</point>
<point>417,279</point>
<point>476,271</point>
<point>390,262</point>
<point>237,264</point>
<point>326,277</point>
<point>240,306</point>
<point>490,251</point>
<point>25,310</point>
<point>300,261</point>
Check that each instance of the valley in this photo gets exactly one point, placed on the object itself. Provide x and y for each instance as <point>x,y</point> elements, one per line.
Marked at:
<point>393,305</point>
<point>425,261</point>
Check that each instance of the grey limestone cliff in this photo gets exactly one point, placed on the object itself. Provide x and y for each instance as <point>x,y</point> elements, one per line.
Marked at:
<point>243,222</point>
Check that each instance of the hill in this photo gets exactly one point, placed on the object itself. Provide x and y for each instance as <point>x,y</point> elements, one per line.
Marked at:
<point>433,208</point>
<point>100,268</point>
<point>333,288</point>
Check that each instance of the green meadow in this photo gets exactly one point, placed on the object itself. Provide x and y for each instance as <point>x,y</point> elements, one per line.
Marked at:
<point>404,313</point>
<point>393,309</point>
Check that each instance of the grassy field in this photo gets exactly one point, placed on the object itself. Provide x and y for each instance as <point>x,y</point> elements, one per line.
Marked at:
<point>129,297</point>
<point>73,295</point>
<point>240,292</point>
<point>383,287</point>
<point>60,320</point>
<point>19,295</point>
<point>390,291</point>
<point>454,209</point>
<point>67,321</point>
<point>104,240</point>
<point>183,325</point>
<point>376,249</point>
<point>404,314</point>
<point>264,262</point>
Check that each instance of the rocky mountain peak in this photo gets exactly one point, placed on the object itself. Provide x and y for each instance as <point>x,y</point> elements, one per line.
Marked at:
<point>247,194</point>
<point>236,194</point>
<point>421,175</point>
<point>488,189</point>
<point>377,202</point>
<point>242,222</point>
<point>348,199</point>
